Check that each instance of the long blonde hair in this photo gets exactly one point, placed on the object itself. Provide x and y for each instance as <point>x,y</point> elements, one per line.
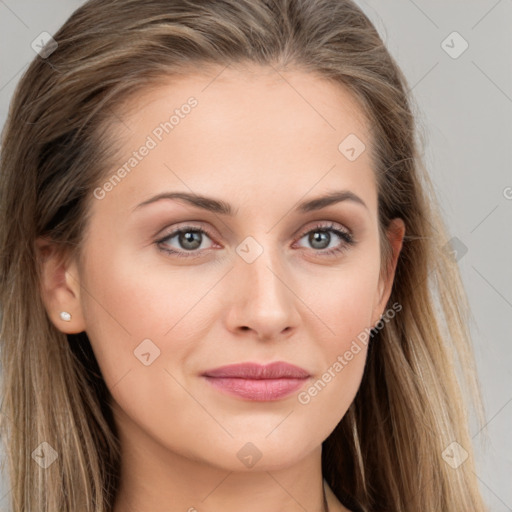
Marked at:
<point>387,451</point>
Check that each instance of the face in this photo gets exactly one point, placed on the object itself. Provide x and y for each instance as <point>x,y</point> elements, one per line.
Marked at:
<point>170,289</point>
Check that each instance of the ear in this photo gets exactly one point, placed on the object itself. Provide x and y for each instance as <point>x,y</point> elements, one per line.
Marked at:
<point>395,234</point>
<point>59,286</point>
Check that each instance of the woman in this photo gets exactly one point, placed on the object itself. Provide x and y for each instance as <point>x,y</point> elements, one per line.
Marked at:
<point>225,282</point>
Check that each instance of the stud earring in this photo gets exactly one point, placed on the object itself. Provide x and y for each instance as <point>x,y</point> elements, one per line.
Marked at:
<point>64,315</point>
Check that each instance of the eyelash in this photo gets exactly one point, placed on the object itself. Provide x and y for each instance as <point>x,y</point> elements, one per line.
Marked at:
<point>348,239</point>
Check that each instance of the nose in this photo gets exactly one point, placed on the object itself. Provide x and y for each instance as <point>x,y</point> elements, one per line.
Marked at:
<point>261,298</point>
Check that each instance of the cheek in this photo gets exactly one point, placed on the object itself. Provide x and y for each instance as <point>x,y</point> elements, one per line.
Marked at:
<point>125,303</point>
<point>133,309</point>
<point>329,395</point>
<point>141,322</point>
<point>142,295</point>
<point>343,299</point>
<point>344,304</point>
<point>345,308</point>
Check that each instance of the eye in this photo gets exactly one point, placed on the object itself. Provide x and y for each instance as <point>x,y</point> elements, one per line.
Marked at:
<point>321,239</point>
<point>189,239</point>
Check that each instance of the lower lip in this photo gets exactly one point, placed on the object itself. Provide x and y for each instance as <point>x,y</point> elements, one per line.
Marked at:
<point>260,390</point>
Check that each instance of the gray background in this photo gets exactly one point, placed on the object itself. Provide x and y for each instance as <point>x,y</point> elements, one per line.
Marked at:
<point>464,108</point>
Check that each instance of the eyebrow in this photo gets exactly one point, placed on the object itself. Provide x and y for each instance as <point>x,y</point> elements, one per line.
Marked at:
<point>218,206</point>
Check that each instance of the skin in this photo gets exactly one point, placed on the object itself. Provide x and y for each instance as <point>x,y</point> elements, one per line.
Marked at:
<point>262,142</point>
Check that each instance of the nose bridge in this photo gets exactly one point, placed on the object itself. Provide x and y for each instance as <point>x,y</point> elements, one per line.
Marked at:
<point>263,300</point>
<point>260,266</point>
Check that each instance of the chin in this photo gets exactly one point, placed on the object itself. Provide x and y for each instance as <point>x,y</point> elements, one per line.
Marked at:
<point>260,453</point>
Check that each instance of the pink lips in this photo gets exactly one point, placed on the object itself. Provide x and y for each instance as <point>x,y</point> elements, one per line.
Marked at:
<point>257,382</point>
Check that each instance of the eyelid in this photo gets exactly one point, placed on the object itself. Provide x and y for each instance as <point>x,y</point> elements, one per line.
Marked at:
<point>181,226</point>
<point>298,234</point>
<point>326,224</point>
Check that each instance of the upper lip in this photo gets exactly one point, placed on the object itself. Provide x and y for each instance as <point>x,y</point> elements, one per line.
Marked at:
<point>256,371</point>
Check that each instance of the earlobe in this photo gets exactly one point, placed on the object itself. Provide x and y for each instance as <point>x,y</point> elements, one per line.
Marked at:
<point>59,286</point>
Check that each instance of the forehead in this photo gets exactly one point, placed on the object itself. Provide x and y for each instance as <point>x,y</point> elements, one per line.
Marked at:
<point>248,127</point>
<point>225,87</point>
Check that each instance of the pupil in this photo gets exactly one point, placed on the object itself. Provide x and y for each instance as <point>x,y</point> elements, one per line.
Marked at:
<point>317,237</point>
<point>188,238</point>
